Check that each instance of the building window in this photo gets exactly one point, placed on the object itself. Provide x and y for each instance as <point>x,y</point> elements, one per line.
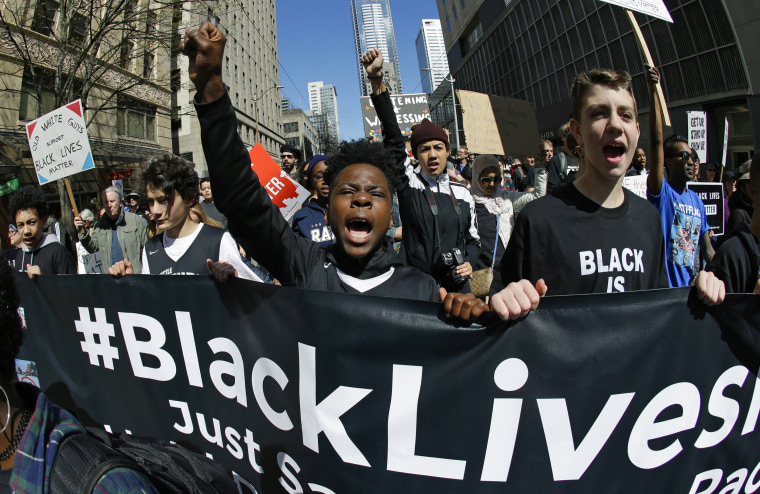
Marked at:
<point>448,24</point>
<point>461,4</point>
<point>44,16</point>
<point>290,127</point>
<point>31,106</point>
<point>148,62</point>
<point>471,36</point>
<point>454,10</point>
<point>135,119</point>
<point>77,29</point>
<point>125,54</point>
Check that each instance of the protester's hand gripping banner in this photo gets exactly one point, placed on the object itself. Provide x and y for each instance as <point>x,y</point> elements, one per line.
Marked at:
<point>308,391</point>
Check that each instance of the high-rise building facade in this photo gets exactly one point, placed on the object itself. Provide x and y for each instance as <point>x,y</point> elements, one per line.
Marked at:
<point>373,28</point>
<point>532,50</point>
<point>300,132</point>
<point>431,54</point>
<point>251,71</point>
<point>323,99</point>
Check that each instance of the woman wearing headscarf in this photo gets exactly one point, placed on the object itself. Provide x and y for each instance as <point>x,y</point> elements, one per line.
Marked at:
<point>496,207</point>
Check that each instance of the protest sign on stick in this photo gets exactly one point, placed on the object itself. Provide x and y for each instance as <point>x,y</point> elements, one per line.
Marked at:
<point>410,109</point>
<point>498,125</point>
<point>725,148</point>
<point>711,194</point>
<point>654,8</point>
<point>284,192</point>
<point>697,123</point>
<point>59,145</point>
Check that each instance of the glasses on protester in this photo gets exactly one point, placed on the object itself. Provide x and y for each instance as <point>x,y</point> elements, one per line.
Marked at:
<point>286,156</point>
<point>487,180</point>
<point>684,155</point>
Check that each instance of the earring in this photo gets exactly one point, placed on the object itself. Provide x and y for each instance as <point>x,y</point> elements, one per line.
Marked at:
<point>8,414</point>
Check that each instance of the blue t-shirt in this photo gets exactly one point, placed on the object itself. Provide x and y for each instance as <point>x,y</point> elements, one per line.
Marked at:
<point>683,224</point>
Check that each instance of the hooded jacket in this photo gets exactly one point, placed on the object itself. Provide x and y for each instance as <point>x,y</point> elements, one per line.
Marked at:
<point>50,255</point>
<point>309,222</point>
<point>737,262</point>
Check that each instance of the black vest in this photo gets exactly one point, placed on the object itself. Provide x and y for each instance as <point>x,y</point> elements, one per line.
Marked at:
<point>193,261</point>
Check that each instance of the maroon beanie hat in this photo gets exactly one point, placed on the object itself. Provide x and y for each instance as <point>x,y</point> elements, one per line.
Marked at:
<point>427,131</point>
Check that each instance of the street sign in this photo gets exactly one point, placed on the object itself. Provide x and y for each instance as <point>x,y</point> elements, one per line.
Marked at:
<point>59,145</point>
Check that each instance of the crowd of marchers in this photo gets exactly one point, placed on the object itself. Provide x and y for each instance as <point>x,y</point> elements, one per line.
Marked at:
<point>417,218</point>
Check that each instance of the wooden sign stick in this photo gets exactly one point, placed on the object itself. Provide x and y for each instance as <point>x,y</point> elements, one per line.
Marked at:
<point>71,196</point>
<point>650,61</point>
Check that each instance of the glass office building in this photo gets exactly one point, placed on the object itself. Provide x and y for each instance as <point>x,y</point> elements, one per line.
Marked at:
<point>532,50</point>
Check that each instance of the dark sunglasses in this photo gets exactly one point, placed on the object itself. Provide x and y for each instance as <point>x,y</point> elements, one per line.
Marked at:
<point>487,180</point>
<point>684,155</point>
<point>288,156</point>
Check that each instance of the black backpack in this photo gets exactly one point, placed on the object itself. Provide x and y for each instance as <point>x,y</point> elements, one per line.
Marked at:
<point>83,459</point>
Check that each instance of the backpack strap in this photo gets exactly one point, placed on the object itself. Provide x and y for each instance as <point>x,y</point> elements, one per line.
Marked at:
<point>82,460</point>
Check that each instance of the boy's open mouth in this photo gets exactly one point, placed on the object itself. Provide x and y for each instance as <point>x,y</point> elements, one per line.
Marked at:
<point>613,152</point>
<point>358,230</point>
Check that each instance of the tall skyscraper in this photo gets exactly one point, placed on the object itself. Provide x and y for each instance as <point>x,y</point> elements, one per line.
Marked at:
<point>431,54</point>
<point>373,28</point>
<point>323,100</point>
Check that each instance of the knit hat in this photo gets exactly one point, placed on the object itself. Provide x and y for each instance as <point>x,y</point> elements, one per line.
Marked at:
<point>316,159</point>
<point>427,131</point>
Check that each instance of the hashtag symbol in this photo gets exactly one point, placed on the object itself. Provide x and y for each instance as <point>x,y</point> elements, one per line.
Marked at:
<point>97,337</point>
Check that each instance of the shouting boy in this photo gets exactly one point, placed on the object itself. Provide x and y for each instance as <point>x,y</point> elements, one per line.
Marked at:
<point>360,178</point>
<point>39,253</point>
<point>592,236</point>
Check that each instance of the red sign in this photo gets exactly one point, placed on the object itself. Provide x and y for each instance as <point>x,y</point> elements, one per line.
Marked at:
<point>285,193</point>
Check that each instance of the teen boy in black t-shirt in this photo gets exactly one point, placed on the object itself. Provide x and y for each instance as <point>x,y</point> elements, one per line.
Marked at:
<point>592,236</point>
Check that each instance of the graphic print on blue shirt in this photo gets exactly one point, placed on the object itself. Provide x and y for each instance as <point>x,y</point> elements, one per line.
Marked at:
<point>684,236</point>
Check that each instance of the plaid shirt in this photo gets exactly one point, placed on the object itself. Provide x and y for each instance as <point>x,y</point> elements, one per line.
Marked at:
<point>37,450</point>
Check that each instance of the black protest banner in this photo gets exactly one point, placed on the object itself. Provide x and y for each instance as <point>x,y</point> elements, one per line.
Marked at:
<point>300,391</point>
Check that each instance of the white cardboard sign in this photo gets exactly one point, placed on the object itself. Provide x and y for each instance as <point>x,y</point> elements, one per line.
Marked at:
<point>655,8</point>
<point>636,184</point>
<point>698,133</point>
<point>59,143</point>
